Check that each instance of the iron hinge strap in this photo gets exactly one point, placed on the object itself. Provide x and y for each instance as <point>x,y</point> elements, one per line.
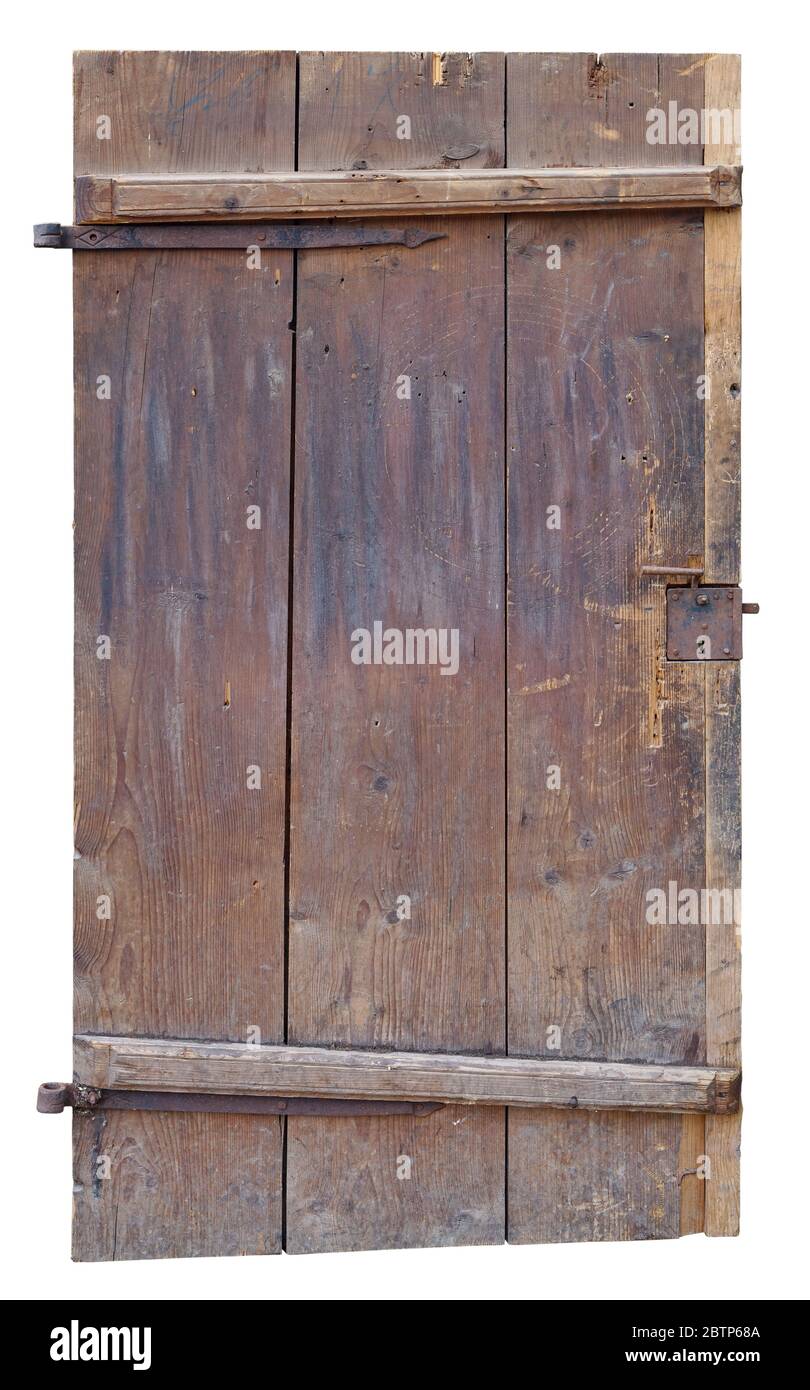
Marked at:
<point>236,236</point>
<point>55,1096</point>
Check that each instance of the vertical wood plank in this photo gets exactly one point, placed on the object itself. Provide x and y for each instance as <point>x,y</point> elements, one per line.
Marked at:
<point>395,1182</point>
<point>175,113</point>
<point>723,811</point>
<point>196,348</point>
<point>224,1197</point>
<point>723,970</point>
<point>604,422</point>
<point>397,771</point>
<point>723,325</point>
<point>421,111</point>
<point>606,1176</point>
<point>691,1174</point>
<point>183,377</point>
<point>583,110</point>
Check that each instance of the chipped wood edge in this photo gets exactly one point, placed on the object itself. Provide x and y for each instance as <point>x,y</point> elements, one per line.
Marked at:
<point>722,455</point>
<point>144,1064</point>
<point>386,193</point>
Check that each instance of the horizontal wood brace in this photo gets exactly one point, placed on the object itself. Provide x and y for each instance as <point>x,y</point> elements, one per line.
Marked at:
<point>398,193</point>
<point>158,1064</point>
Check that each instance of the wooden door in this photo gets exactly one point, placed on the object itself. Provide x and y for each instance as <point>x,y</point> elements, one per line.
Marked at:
<point>382,757</point>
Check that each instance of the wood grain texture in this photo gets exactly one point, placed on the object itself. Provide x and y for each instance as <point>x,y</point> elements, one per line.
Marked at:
<point>160,1186</point>
<point>691,1174</point>
<point>397,771</point>
<point>196,428</point>
<point>173,113</point>
<point>194,605</point>
<point>594,1177</point>
<point>396,194</point>
<point>583,109</point>
<point>723,351</point>
<point>723,960</point>
<point>604,422</point>
<point>590,690</point>
<point>453,102</point>
<point>234,1069</point>
<point>428,1181</point>
<point>723,770</point>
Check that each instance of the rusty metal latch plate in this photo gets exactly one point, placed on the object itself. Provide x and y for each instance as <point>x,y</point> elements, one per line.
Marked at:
<point>704,622</point>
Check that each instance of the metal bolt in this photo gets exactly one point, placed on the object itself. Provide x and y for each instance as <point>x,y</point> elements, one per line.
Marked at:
<point>702,600</point>
<point>727,650</point>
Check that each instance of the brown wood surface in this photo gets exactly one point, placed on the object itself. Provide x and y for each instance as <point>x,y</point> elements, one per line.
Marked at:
<point>179,1185</point>
<point>398,194</point>
<point>454,102</point>
<point>590,110</point>
<point>194,603</point>
<point>178,113</point>
<point>594,1177</point>
<point>530,387</point>
<point>604,422</point>
<point>723,324</point>
<point>397,772</point>
<point>452,1196</point>
<point>723,810</point>
<point>234,1069</point>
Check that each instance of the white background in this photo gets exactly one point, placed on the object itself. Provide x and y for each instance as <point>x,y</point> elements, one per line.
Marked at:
<point>35,690</point>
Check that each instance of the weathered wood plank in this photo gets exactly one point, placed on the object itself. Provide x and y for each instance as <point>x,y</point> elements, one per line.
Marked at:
<point>591,110</point>
<point>596,1177</point>
<point>233,1068</point>
<point>413,1182</point>
<point>157,1186</point>
<point>160,114</point>
<point>723,964</point>
<point>691,1175</point>
<point>722,312</point>
<point>182,422</point>
<point>396,837</point>
<point>193,606</point>
<point>723,811</point>
<point>605,751</point>
<point>395,193</point>
<point>430,111</point>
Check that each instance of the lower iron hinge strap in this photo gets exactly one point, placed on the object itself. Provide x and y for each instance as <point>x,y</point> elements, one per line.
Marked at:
<point>55,1096</point>
<point>234,236</point>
